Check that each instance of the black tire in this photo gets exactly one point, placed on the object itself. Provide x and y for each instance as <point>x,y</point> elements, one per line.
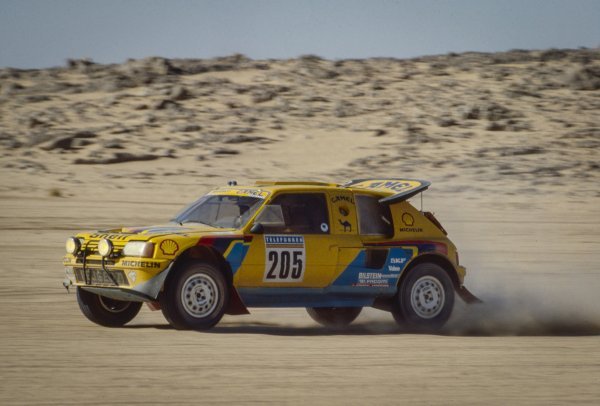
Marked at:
<point>195,297</point>
<point>425,299</point>
<point>334,316</point>
<point>105,311</point>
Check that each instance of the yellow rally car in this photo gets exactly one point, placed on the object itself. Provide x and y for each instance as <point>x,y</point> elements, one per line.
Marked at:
<point>330,248</point>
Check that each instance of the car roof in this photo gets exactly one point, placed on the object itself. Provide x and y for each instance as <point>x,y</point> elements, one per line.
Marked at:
<point>389,190</point>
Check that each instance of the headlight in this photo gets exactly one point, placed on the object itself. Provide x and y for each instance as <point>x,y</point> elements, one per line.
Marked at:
<point>139,249</point>
<point>72,245</point>
<point>105,247</point>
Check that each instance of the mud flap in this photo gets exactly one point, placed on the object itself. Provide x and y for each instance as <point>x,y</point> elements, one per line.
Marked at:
<point>467,296</point>
<point>236,305</point>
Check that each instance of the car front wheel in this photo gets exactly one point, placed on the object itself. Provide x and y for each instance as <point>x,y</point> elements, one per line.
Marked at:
<point>105,311</point>
<point>425,299</point>
<point>195,297</point>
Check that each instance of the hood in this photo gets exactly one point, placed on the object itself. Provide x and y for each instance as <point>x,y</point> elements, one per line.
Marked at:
<point>147,232</point>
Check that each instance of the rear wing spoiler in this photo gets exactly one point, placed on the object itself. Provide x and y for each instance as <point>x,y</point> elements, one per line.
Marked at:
<point>398,189</point>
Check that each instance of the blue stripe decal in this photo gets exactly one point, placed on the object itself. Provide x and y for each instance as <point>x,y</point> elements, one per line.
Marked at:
<point>303,297</point>
<point>358,276</point>
<point>236,256</point>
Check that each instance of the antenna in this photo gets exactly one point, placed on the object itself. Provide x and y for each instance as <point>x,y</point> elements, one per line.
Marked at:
<point>422,201</point>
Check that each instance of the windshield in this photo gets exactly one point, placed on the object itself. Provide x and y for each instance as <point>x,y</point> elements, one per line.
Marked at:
<point>220,211</point>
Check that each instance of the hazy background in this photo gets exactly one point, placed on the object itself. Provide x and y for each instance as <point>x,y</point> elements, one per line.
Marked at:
<point>40,33</point>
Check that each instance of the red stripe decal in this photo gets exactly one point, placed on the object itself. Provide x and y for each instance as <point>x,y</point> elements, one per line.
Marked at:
<point>438,246</point>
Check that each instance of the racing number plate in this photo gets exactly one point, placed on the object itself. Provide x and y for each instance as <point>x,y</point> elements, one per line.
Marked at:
<point>285,258</point>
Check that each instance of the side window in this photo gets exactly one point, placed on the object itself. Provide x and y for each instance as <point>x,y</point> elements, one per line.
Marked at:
<point>374,218</point>
<point>303,213</point>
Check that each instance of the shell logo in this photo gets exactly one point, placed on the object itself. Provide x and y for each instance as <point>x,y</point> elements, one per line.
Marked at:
<point>408,219</point>
<point>169,247</point>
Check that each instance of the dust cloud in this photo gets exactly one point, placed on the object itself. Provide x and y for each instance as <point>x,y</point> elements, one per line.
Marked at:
<point>536,306</point>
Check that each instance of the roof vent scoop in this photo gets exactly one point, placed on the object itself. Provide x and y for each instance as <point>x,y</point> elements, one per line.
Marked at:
<point>232,183</point>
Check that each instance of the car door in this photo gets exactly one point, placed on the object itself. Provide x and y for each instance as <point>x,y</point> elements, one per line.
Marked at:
<point>344,230</point>
<point>294,253</point>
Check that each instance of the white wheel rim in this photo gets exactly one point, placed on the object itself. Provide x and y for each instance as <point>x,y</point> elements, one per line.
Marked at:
<point>113,307</point>
<point>199,295</point>
<point>427,297</point>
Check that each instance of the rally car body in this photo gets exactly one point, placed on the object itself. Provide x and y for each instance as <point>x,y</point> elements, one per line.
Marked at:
<point>274,244</point>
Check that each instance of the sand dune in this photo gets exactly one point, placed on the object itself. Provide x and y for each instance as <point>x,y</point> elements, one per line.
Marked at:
<point>511,122</point>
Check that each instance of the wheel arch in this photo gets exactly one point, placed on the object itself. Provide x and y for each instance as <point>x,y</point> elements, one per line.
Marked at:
<point>214,257</point>
<point>434,258</point>
<point>385,303</point>
<point>206,254</point>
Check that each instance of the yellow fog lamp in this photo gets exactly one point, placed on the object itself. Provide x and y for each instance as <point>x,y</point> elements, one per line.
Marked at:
<point>105,247</point>
<point>73,245</point>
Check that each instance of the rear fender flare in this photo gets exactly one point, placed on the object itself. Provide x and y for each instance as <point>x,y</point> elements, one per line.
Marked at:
<point>386,303</point>
<point>434,258</point>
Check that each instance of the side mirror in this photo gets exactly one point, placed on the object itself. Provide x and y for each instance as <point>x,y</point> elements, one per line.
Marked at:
<point>257,228</point>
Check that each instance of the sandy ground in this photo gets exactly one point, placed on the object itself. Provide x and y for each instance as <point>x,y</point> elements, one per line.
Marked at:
<point>535,340</point>
<point>511,142</point>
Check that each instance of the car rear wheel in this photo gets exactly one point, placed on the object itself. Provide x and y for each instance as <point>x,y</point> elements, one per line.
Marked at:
<point>105,311</point>
<point>195,297</point>
<point>425,299</point>
<point>334,316</point>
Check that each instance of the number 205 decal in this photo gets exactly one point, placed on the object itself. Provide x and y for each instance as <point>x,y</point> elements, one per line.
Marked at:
<point>285,258</point>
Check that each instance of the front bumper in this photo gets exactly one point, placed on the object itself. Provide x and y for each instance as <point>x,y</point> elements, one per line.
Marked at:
<point>124,283</point>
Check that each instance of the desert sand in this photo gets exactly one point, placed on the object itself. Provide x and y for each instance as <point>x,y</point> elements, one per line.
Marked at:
<point>510,141</point>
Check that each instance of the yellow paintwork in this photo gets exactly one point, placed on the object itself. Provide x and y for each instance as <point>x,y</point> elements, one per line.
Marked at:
<point>327,255</point>
<point>143,269</point>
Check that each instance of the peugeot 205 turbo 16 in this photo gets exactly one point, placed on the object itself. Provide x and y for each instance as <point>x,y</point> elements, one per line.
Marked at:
<point>330,248</point>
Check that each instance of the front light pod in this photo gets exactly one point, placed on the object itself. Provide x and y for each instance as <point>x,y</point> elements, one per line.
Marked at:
<point>140,249</point>
<point>105,247</point>
<point>73,245</point>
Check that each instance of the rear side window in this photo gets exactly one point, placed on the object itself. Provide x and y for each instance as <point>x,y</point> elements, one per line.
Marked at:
<point>374,218</point>
<point>304,213</point>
